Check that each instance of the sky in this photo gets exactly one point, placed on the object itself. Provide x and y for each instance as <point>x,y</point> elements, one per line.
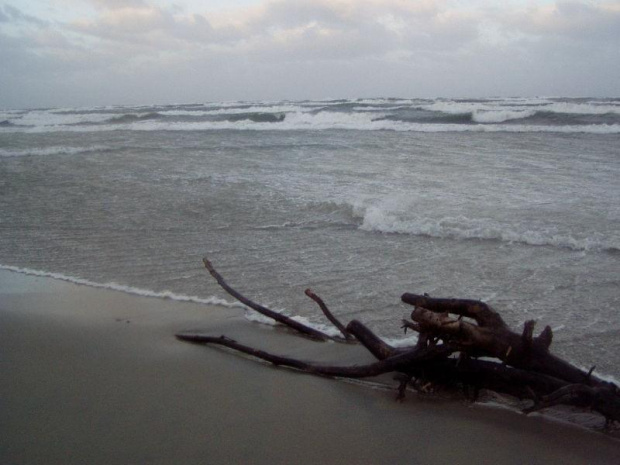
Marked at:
<point>76,53</point>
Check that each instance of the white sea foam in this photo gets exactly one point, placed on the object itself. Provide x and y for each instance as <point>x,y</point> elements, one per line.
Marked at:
<point>381,108</point>
<point>327,329</point>
<point>499,116</point>
<point>406,341</point>
<point>259,318</point>
<point>454,108</point>
<point>237,111</point>
<point>581,108</point>
<point>54,119</point>
<point>381,101</point>
<point>311,123</point>
<point>534,105</point>
<point>124,288</point>
<point>378,218</point>
<point>250,315</point>
<point>47,151</point>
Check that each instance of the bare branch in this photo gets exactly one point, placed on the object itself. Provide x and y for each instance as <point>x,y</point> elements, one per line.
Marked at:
<point>397,362</point>
<point>285,320</point>
<point>329,314</point>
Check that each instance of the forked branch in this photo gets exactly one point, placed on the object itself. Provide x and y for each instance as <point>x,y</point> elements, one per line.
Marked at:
<point>310,293</point>
<point>283,319</point>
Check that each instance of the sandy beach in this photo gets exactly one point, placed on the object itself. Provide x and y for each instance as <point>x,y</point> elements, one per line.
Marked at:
<point>94,376</point>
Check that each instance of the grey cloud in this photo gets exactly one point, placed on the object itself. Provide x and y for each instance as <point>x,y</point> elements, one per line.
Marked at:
<point>292,14</point>
<point>118,4</point>
<point>14,15</point>
<point>572,20</point>
<point>308,28</point>
<point>147,26</point>
<point>308,49</point>
<point>586,21</point>
<point>419,28</point>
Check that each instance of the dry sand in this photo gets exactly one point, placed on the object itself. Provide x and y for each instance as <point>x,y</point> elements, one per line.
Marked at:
<point>93,376</point>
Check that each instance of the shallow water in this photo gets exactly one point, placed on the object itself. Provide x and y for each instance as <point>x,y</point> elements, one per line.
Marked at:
<point>516,202</point>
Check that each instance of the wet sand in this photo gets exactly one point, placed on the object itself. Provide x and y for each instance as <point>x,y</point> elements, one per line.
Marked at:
<point>93,376</point>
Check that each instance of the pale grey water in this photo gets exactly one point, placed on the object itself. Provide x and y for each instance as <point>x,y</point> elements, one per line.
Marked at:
<point>526,219</point>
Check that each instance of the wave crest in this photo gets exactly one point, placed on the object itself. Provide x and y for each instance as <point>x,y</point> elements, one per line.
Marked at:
<point>377,219</point>
<point>500,116</point>
<point>430,116</point>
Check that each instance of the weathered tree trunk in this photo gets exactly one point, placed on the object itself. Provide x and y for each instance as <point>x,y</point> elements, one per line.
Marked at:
<point>491,336</point>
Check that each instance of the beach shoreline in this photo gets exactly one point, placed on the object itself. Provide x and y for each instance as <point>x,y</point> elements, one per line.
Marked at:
<point>96,376</point>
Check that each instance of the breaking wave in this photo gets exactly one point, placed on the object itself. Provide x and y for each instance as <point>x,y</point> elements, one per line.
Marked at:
<point>376,219</point>
<point>462,107</point>
<point>131,117</point>
<point>500,116</point>
<point>325,121</point>
<point>242,109</point>
<point>384,217</point>
<point>439,115</point>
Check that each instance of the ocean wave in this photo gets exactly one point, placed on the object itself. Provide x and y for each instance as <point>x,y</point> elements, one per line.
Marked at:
<point>389,217</point>
<point>378,219</point>
<point>131,117</point>
<point>47,151</point>
<point>53,120</point>
<point>323,123</point>
<point>582,108</point>
<point>255,117</point>
<point>380,108</point>
<point>243,109</point>
<point>362,122</point>
<point>382,101</point>
<point>124,288</point>
<point>435,117</point>
<point>499,111</point>
<point>500,116</point>
<point>471,106</point>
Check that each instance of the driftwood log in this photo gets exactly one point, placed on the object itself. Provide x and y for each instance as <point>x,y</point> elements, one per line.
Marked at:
<point>453,336</point>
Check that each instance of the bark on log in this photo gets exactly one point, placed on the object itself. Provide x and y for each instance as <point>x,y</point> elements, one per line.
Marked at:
<point>491,336</point>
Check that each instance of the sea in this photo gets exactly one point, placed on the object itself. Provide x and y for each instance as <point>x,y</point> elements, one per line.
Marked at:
<point>514,201</point>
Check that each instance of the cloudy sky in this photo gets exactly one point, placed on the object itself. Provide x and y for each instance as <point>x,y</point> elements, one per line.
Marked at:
<point>99,52</point>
